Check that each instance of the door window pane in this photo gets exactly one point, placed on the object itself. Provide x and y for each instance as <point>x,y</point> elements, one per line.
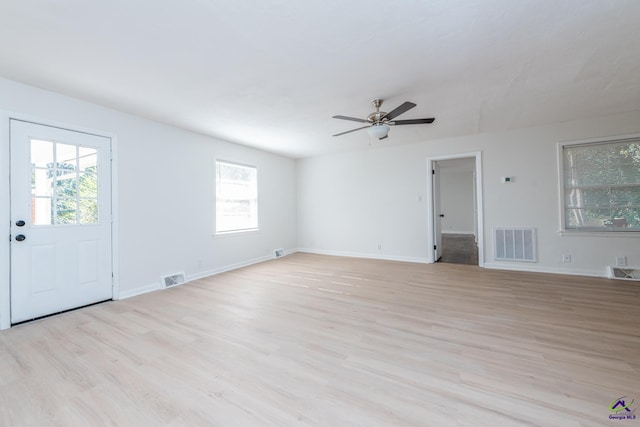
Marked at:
<point>66,209</point>
<point>88,211</point>
<point>41,153</point>
<point>66,156</point>
<point>66,186</point>
<point>88,185</point>
<point>87,159</point>
<point>41,213</point>
<point>64,183</point>
<point>41,182</point>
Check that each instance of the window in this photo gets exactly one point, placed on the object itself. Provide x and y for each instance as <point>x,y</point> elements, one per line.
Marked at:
<point>236,197</point>
<point>601,185</point>
<point>64,183</point>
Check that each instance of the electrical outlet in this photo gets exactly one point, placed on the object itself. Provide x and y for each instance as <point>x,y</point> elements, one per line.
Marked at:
<point>566,258</point>
<point>621,261</point>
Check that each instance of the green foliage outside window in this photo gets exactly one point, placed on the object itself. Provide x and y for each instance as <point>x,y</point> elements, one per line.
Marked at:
<point>602,186</point>
<point>76,194</point>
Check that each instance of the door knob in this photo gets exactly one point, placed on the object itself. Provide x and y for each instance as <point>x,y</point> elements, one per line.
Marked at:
<point>20,237</point>
<point>441,215</point>
<point>20,223</point>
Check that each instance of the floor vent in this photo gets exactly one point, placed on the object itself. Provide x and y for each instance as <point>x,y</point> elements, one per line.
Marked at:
<point>173,280</point>
<point>624,273</point>
<point>278,253</point>
<point>515,244</point>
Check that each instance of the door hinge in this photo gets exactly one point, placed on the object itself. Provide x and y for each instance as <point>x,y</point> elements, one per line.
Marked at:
<point>433,171</point>
<point>435,247</point>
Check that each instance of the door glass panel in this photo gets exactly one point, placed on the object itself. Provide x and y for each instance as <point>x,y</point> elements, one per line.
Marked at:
<point>41,153</point>
<point>41,213</point>
<point>66,156</point>
<point>87,159</point>
<point>66,209</point>
<point>64,183</point>
<point>88,185</point>
<point>88,211</point>
<point>41,182</point>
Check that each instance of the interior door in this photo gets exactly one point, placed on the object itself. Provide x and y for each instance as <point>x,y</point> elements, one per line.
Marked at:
<point>437,214</point>
<point>60,220</point>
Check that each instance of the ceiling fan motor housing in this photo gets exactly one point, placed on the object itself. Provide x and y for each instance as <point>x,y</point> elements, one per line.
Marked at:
<point>376,117</point>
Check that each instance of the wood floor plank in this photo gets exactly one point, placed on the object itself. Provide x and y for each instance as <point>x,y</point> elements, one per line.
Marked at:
<point>310,340</point>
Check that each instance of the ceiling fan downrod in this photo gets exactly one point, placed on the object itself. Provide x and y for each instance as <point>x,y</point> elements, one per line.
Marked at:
<point>377,117</point>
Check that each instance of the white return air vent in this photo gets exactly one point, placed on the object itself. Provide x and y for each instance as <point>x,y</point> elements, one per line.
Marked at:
<point>624,273</point>
<point>278,253</point>
<point>515,244</point>
<point>173,280</point>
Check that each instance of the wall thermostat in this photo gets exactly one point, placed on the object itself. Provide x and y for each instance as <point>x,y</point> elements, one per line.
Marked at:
<point>507,180</point>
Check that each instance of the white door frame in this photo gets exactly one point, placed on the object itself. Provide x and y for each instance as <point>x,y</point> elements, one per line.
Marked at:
<point>432,215</point>
<point>436,232</point>
<point>5,203</point>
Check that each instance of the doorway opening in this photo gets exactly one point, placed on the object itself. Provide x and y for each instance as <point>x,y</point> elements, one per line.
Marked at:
<point>455,211</point>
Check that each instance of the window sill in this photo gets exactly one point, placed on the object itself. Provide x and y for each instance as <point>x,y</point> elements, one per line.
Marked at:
<point>578,233</point>
<point>236,233</point>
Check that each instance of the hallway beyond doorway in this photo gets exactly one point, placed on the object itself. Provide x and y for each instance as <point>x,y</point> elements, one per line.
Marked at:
<point>459,249</point>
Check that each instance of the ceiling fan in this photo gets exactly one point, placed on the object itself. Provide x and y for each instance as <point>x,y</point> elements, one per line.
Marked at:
<point>378,123</point>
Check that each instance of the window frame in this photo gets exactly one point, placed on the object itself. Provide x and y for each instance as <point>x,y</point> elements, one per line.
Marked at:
<point>622,232</point>
<point>218,233</point>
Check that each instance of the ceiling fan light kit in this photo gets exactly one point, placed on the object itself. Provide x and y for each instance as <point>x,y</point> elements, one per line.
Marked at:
<point>378,130</point>
<point>378,123</point>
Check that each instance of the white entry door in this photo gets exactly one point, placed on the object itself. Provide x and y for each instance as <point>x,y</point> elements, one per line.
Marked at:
<point>60,220</point>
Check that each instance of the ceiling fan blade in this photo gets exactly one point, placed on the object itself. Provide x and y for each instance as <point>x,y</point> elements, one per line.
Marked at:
<point>399,110</point>
<point>349,131</point>
<point>354,119</point>
<point>411,122</point>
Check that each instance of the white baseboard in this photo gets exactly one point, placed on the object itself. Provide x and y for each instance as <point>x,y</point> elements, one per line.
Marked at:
<point>540,269</point>
<point>364,255</point>
<point>290,251</point>
<point>491,265</point>
<point>213,272</point>
<point>139,291</point>
<point>202,274</point>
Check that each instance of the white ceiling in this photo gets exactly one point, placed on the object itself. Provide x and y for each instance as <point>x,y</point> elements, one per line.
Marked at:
<point>271,73</point>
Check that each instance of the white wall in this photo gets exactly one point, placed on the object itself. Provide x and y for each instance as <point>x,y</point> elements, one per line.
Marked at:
<point>350,203</point>
<point>165,191</point>
<point>456,196</point>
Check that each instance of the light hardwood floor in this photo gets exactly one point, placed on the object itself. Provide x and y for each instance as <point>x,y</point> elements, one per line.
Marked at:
<point>310,340</point>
